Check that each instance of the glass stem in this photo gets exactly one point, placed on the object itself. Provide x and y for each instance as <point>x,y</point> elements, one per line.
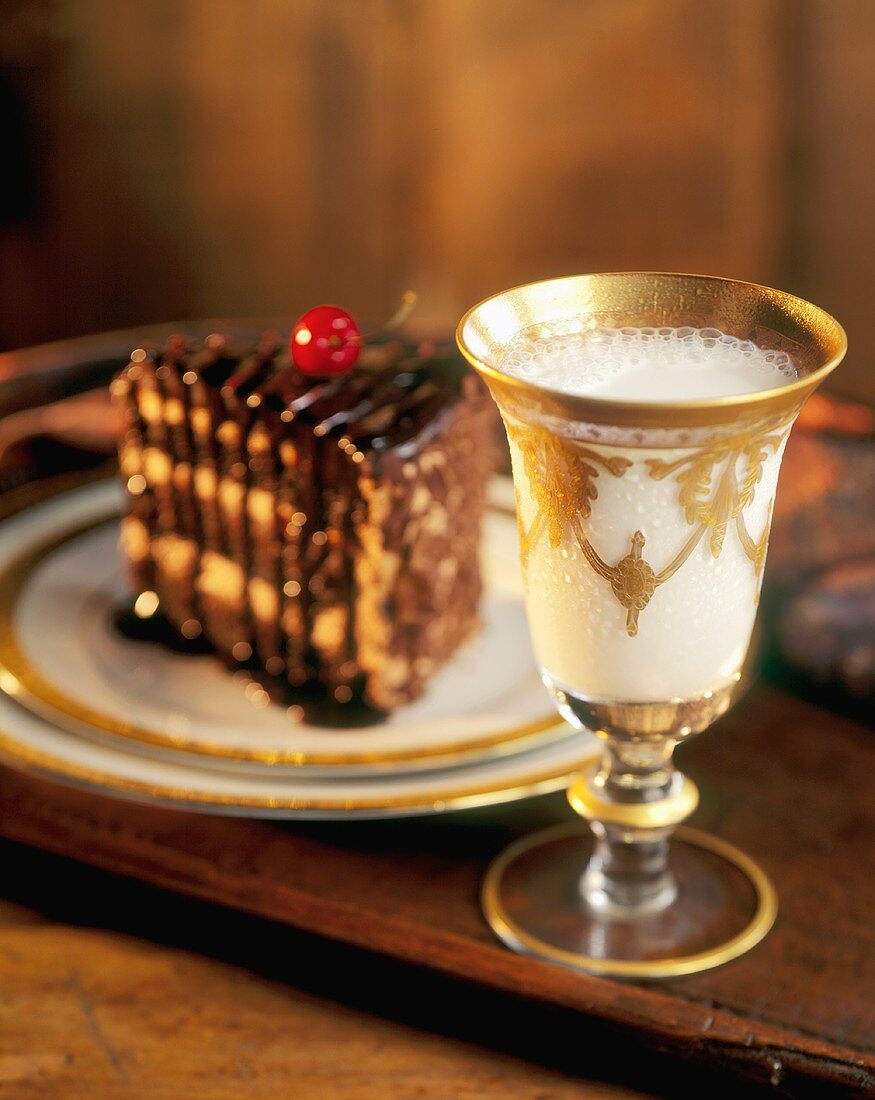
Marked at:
<point>628,872</point>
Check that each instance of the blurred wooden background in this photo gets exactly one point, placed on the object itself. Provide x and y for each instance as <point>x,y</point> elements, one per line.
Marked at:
<point>178,158</point>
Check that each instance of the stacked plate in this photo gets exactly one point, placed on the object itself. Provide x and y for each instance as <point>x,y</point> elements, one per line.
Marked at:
<point>87,706</point>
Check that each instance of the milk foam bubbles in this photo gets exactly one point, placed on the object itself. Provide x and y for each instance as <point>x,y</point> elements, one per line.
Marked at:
<point>648,364</point>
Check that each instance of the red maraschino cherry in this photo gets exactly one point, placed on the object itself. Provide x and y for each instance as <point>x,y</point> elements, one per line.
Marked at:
<point>326,340</point>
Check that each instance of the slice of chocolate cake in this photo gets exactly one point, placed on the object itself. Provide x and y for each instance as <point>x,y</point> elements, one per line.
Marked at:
<point>321,530</point>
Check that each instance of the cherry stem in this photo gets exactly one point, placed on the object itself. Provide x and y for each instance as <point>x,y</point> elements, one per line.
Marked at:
<point>406,307</point>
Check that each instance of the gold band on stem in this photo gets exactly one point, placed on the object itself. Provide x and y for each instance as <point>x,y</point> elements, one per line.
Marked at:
<point>659,814</point>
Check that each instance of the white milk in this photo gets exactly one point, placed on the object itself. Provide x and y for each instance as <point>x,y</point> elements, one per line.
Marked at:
<point>649,364</point>
<point>694,632</point>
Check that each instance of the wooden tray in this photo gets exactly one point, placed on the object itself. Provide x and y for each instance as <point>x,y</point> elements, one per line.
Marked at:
<point>786,781</point>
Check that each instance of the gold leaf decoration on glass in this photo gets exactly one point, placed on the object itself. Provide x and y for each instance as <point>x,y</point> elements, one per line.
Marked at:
<point>715,508</point>
<point>562,479</point>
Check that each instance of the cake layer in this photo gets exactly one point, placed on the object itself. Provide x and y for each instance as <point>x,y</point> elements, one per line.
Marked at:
<point>320,530</point>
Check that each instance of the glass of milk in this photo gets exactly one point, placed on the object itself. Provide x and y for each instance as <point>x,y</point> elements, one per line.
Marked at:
<point>646,415</point>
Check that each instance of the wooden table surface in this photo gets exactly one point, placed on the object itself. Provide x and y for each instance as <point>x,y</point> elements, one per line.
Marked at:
<point>92,1006</point>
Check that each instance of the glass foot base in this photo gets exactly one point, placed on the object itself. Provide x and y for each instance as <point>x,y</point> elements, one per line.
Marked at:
<point>532,900</point>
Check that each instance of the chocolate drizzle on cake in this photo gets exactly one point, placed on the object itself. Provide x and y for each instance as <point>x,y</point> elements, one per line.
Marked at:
<point>157,629</point>
<point>321,530</point>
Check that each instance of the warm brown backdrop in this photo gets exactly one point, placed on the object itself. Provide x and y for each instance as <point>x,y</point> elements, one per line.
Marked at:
<point>181,158</point>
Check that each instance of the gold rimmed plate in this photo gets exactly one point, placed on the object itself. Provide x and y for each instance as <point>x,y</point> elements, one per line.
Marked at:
<point>32,744</point>
<point>61,578</point>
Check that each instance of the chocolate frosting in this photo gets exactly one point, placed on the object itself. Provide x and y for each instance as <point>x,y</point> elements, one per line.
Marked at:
<point>393,393</point>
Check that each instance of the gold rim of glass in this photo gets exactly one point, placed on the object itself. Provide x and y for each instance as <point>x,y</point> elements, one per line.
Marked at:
<point>744,309</point>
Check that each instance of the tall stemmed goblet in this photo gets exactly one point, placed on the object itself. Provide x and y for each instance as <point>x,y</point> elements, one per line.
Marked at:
<point>643,530</point>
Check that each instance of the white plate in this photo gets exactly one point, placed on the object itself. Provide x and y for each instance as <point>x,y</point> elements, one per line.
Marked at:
<point>32,744</point>
<point>61,577</point>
